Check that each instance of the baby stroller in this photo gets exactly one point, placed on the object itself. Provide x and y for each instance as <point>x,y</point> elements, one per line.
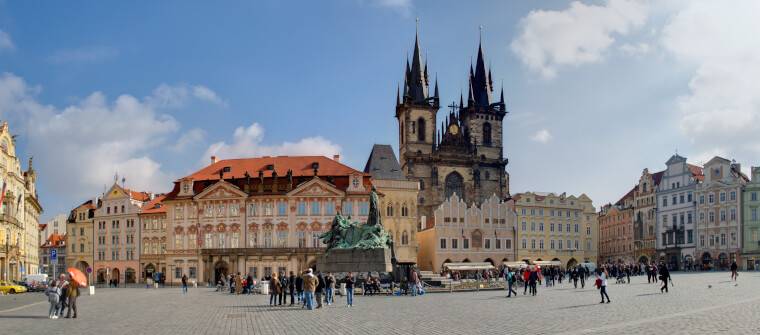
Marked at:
<point>620,278</point>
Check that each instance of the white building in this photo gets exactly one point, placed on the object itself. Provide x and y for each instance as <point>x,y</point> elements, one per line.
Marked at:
<point>56,225</point>
<point>676,208</point>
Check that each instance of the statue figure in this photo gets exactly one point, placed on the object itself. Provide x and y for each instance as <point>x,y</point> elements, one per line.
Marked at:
<point>344,234</point>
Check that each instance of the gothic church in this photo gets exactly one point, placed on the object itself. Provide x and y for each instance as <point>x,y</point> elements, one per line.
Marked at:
<point>466,154</point>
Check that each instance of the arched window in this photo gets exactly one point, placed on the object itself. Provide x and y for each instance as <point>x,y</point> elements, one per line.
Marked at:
<point>421,130</point>
<point>389,210</point>
<point>404,210</point>
<point>487,134</point>
<point>404,238</point>
<point>454,184</point>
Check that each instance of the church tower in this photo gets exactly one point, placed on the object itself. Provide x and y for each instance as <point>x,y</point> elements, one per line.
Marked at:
<point>416,112</point>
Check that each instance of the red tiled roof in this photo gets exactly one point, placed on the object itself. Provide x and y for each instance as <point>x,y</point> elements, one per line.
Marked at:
<point>42,226</point>
<point>697,172</point>
<point>55,240</point>
<point>155,205</point>
<point>626,196</point>
<point>139,196</point>
<point>300,165</point>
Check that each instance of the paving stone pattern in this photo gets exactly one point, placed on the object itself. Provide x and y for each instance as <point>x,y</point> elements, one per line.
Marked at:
<point>637,308</point>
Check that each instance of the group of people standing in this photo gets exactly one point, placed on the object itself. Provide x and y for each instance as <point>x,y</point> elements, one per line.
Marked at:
<point>62,294</point>
<point>310,290</point>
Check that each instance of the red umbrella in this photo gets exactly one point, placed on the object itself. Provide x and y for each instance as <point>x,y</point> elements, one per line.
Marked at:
<point>77,276</point>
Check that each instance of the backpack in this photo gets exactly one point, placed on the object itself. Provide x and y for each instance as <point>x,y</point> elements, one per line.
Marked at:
<point>53,294</point>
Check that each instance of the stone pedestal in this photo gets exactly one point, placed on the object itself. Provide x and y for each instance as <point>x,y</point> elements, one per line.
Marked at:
<point>355,260</point>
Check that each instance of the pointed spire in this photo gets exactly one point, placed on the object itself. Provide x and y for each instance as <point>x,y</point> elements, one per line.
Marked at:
<point>398,95</point>
<point>490,79</point>
<point>461,103</point>
<point>502,94</point>
<point>436,88</point>
<point>417,81</point>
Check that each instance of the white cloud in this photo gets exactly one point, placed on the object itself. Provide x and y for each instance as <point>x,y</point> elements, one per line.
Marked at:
<point>722,108</point>
<point>637,49</point>
<point>577,35</point>
<point>78,148</point>
<point>248,142</point>
<point>402,6</point>
<point>89,54</point>
<point>6,43</point>
<point>542,136</point>
<point>175,96</point>
<point>189,138</point>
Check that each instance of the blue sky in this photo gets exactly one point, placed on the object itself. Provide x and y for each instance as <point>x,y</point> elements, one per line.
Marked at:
<point>598,90</point>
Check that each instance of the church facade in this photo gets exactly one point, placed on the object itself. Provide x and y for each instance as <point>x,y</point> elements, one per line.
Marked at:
<point>462,155</point>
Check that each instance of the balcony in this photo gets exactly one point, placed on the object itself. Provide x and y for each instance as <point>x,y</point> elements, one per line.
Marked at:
<point>10,219</point>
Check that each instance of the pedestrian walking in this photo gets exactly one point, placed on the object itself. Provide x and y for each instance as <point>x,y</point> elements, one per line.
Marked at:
<point>53,293</point>
<point>292,288</point>
<point>414,282</point>
<point>526,277</point>
<point>184,284</point>
<point>238,284</point>
<point>73,293</point>
<point>329,288</point>
<point>274,289</point>
<point>664,277</point>
<point>283,288</point>
<point>299,290</point>
<point>310,283</point>
<point>510,277</point>
<point>320,289</point>
<point>349,280</point>
<point>63,284</point>
<point>601,283</point>
<point>734,268</point>
<point>533,279</point>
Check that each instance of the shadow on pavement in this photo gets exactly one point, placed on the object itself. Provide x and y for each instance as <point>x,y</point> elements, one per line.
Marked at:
<point>23,317</point>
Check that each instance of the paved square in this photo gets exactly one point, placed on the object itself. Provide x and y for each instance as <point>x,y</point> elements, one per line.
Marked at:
<point>637,308</point>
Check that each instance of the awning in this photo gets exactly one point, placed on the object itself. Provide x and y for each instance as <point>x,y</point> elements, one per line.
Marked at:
<point>468,266</point>
<point>516,264</point>
<point>548,263</point>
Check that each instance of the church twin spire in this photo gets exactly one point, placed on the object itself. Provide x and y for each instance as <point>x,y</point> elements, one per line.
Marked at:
<point>416,83</point>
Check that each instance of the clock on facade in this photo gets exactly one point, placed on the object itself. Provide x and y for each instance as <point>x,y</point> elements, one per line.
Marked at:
<point>454,129</point>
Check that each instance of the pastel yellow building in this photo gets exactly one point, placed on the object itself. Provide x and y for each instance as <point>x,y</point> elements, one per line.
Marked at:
<point>19,213</point>
<point>80,238</point>
<point>553,227</point>
<point>398,202</point>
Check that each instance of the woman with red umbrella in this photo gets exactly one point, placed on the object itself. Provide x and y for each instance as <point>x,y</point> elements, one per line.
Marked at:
<point>77,279</point>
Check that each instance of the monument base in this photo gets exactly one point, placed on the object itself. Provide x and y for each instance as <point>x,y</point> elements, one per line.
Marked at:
<point>355,260</point>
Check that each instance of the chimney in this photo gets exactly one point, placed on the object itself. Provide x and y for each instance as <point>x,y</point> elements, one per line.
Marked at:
<point>213,159</point>
<point>336,158</point>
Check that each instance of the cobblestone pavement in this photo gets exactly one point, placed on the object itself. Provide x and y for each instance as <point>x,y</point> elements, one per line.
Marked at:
<point>637,308</point>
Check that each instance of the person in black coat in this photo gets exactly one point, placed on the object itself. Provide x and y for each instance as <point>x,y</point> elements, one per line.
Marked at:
<point>320,290</point>
<point>292,287</point>
<point>664,277</point>
<point>284,285</point>
<point>299,289</point>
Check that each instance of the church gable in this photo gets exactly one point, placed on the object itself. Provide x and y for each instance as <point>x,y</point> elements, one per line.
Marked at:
<point>221,190</point>
<point>316,188</point>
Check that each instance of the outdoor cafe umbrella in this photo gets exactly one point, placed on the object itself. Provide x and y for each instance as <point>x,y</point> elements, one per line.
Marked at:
<point>78,276</point>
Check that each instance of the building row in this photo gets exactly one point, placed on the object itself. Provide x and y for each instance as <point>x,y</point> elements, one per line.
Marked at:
<point>688,216</point>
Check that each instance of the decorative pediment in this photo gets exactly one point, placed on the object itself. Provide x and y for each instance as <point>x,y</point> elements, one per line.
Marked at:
<point>221,190</point>
<point>235,227</point>
<point>315,226</point>
<point>208,228</point>
<point>282,226</point>
<point>116,192</point>
<point>316,188</point>
<point>221,227</point>
<point>267,226</point>
<point>301,226</point>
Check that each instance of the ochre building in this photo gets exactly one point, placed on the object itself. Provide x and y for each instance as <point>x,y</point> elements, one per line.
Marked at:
<point>556,227</point>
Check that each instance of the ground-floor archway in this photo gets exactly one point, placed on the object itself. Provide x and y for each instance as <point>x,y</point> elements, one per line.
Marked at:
<point>149,270</point>
<point>488,260</point>
<point>643,259</point>
<point>572,263</point>
<point>101,276</point>
<point>115,275</point>
<point>466,260</point>
<point>221,270</point>
<point>130,276</point>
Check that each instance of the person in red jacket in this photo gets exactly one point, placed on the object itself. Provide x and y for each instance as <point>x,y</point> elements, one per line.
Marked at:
<point>526,276</point>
